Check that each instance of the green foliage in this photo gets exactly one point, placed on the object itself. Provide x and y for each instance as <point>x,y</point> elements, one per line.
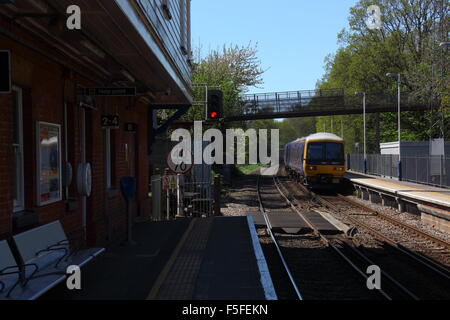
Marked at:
<point>233,69</point>
<point>408,43</point>
<point>248,169</point>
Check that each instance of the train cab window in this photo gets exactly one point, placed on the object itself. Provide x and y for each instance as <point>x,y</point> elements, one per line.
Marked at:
<point>334,152</point>
<point>316,152</point>
<point>325,153</point>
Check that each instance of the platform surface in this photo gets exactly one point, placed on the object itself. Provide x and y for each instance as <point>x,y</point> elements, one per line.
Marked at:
<point>216,261</point>
<point>414,191</point>
<point>192,259</point>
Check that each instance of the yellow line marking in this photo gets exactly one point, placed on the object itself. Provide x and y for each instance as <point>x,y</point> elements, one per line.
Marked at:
<point>163,275</point>
<point>399,188</point>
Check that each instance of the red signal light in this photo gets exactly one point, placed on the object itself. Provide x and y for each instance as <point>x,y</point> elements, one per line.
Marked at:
<point>213,115</point>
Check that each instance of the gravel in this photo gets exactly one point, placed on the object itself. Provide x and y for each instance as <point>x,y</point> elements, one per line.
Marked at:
<point>409,218</point>
<point>241,197</point>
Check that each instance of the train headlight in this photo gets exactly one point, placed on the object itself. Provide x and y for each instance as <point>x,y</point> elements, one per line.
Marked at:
<point>312,168</point>
<point>339,169</point>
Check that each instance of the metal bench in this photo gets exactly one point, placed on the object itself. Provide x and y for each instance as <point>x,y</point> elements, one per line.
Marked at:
<point>48,250</point>
<point>11,274</point>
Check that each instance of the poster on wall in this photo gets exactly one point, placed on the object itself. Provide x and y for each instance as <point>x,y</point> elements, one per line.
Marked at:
<point>49,163</point>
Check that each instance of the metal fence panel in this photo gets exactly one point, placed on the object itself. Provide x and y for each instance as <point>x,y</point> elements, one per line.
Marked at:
<point>431,170</point>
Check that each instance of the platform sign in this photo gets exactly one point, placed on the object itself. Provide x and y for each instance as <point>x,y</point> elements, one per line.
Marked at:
<point>131,127</point>
<point>110,121</point>
<point>169,182</point>
<point>5,71</point>
<point>108,92</point>
<point>175,161</point>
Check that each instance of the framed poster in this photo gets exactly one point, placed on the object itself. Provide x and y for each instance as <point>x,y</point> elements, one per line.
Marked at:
<point>49,189</point>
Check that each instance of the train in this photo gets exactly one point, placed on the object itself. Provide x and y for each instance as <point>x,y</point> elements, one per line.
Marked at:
<point>317,160</point>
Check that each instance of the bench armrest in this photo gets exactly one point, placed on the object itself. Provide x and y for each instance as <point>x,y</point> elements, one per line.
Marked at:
<point>20,271</point>
<point>55,248</point>
<point>5,272</point>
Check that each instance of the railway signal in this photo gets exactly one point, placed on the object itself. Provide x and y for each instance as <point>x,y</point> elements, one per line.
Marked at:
<point>215,105</point>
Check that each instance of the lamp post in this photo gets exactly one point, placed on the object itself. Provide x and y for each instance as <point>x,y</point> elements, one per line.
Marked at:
<point>363,94</point>
<point>398,77</point>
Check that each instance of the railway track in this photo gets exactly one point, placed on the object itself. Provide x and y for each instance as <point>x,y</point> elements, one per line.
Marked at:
<point>351,257</point>
<point>276,244</point>
<point>342,203</point>
<point>397,252</point>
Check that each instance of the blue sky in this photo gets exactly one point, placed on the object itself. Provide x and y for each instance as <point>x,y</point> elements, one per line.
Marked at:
<point>294,36</point>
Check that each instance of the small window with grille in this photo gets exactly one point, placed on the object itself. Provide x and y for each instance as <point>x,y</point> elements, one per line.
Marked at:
<point>166,9</point>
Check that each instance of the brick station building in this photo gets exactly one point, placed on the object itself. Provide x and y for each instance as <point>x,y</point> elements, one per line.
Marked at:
<point>50,126</point>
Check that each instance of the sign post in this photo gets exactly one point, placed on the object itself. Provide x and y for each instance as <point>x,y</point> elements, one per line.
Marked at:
<point>128,188</point>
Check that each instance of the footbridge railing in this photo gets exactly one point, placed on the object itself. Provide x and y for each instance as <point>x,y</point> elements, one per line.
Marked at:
<point>320,103</point>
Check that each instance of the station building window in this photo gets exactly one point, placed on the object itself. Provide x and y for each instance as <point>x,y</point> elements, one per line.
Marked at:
<point>18,191</point>
<point>108,143</point>
<point>166,9</point>
<point>185,29</point>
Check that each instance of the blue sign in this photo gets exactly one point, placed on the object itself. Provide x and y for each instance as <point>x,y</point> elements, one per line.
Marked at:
<point>128,187</point>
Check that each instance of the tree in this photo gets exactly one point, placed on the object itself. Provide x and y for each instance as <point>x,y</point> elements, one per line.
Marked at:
<point>234,69</point>
<point>408,43</point>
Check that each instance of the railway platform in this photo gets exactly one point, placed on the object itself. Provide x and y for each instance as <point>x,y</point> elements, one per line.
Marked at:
<point>216,258</point>
<point>432,203</point>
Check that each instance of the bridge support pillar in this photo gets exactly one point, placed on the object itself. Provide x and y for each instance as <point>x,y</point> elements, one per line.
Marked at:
<point>365,195</point>
<point>383,200</point>
<point>401,205</point>
<point>370,196</point>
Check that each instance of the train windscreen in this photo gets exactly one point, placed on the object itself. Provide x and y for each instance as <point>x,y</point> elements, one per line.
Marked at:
<point>325,153</point>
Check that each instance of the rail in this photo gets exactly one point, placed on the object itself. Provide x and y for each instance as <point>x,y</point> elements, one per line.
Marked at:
<point>340,252</point>
<point>425,261</point>
<point>280,254</point>
<point>421,259</point>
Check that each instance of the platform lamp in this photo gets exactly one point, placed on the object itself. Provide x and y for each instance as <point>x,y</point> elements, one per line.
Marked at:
<point>398,77</point>
<point>363,94</point>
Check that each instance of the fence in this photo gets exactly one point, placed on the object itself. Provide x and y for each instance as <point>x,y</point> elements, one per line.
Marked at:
<point>431,170</point>
<point>191,195</point>
<point>332,100</point>
<point>290,101</point>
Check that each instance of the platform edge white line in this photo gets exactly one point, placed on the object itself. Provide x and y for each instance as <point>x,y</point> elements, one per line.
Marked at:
<point>266,279</point>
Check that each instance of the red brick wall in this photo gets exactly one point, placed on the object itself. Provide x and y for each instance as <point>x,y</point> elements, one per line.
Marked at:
<point>6,156</point>
<point>46,86</point>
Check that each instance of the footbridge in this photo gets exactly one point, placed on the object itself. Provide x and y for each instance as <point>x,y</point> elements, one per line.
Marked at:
<point>309,103</point>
